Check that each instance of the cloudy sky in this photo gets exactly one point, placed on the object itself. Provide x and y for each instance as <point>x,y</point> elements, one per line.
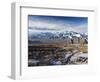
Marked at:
<point>57,23</point>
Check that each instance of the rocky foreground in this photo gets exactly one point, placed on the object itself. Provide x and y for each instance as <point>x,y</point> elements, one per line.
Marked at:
<point>67,58</point>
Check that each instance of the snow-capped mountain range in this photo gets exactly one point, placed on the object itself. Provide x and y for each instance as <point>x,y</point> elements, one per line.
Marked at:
<point>55,35</point>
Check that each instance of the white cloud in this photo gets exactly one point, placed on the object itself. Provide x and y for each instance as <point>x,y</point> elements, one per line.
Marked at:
<point>42,25</point>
